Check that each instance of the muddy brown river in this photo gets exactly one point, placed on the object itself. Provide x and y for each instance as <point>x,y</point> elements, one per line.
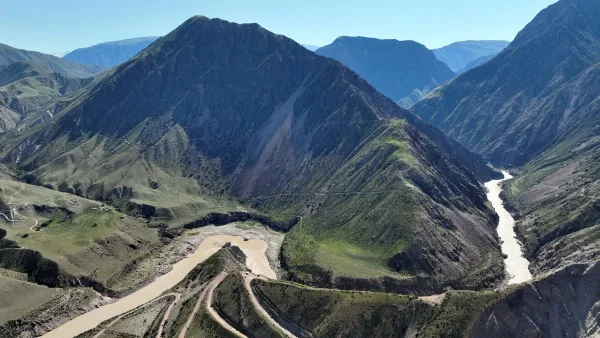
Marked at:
<point>256,260</point>
<point>517,266</point>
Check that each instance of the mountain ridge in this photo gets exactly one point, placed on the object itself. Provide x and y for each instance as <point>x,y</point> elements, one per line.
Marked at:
<point>111,53</point>
<point>395,68</point>
<point>458,54</point>
<point>10,54</point>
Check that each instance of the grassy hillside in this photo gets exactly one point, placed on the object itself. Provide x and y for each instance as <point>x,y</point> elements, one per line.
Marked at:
<point>71,231</point>
<point>325,313</point>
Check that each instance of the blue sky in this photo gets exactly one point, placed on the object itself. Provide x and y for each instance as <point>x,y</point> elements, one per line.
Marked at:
<point>63,25</point>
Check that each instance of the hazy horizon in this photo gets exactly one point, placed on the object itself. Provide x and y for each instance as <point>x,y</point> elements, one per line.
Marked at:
<point>60,26</point>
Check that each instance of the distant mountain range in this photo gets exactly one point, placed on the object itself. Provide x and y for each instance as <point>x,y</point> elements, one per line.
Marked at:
<point>396,68</point>
<point>109,54</point>
<point>458,54</point>
<point>10,55</point>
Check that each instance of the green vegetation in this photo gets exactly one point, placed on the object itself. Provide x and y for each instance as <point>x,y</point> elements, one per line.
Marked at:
<point>233,303</point>
<point>326,313</point>
<point>94,243</point>
<point>19,297</point>
<point>348,260</point>
<point>329,313</point>
<point>72,235</point>
<point>458,313</point>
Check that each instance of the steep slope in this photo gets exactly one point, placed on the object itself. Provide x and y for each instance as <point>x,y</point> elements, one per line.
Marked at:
<point>458,54</point>
<point>507,109</point>
<point>565,304</point>
<point>216,110</point>
<point>109,54</point>
<point>10,55</point>
<point>27,86</point>
<point>395,68</point>
<point>536,104</point>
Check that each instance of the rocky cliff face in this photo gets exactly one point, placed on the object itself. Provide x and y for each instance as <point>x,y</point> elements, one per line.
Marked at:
<point>218,109</point>
<point>565,304</point>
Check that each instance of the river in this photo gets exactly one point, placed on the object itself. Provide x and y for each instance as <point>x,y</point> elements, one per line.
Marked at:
<point>256,260</point>
<point>517,266</point>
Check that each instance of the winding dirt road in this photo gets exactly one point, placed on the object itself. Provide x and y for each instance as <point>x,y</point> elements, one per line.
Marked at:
<point>248,277</point>
<point>162,324</point>
<point>13,211</point>
<point>187,324</point>
<point>159,333</point>
<point>209,297</point>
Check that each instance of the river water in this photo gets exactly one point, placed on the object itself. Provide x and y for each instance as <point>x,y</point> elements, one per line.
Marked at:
<point>256,260</point>
<point>517,266</point>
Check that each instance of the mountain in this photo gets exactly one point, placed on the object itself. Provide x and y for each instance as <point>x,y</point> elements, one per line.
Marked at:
<point>395,68</point>
<point>109,54</point>
<point>476,63</point>
<point>535,106</point>
<point>458,54</point>
<point>311,48</point>
<point>10,55</point>
<point>26,86</point>
<point>507,108</point>
<point>218,117</point>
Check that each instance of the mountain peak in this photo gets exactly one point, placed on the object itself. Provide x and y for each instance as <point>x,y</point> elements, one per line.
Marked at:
<point>502,99</point>
<point>395,68</point>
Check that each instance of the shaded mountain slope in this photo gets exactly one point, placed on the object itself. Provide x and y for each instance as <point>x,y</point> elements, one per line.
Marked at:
<point>395,68</point>
<point>10,55</point>
<point>216,111</point>
<point>536,105</point>
<point>27,86</point>
<point>565,304</point>
<point>109,54</point>
<point>507,109</point>
<point>458,54</point>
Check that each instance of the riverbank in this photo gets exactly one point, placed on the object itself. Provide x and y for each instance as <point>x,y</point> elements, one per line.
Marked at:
<point>256,261</point>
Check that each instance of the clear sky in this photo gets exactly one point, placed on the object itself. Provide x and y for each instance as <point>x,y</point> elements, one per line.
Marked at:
<point>54,26</point>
